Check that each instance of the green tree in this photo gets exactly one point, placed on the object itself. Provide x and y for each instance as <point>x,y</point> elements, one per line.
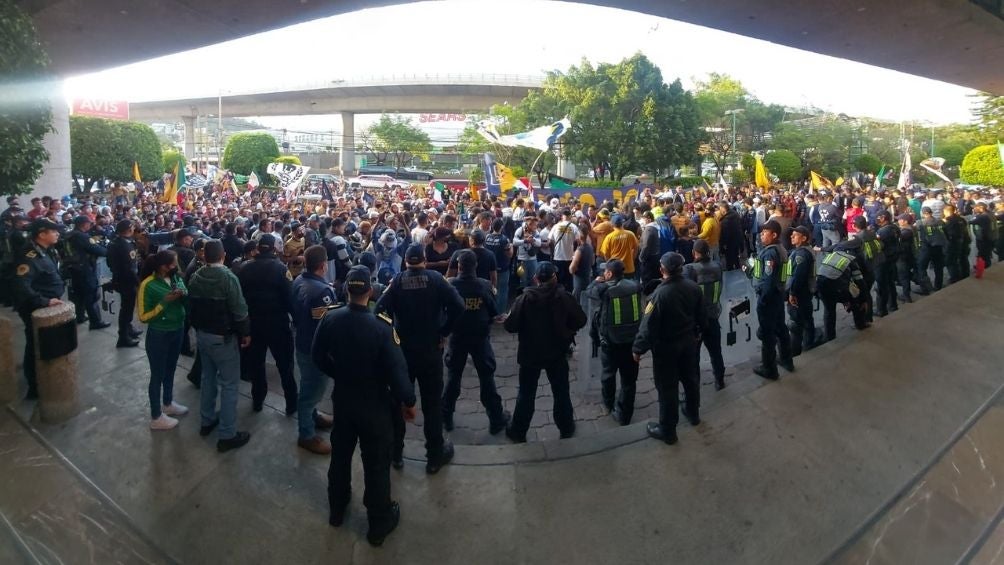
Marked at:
<point>718,94</point>
<point>251,151</point>
<point>172,158</point>
<point>868,164</point>
<point>396,139</point>
<point>624,116</point>
<point>289,160</point>
<point>783,164</point>
<point>983,165</point>
<point>989,112</point>
<point>101,148</point>
<point>26,116</point>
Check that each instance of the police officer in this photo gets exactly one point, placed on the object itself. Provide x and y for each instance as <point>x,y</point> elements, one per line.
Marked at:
<point>37,284</point>
<point>906,264</point>
<point>801,274</point>
<point>471,336</point>
<point>362,355</point>
<point>930,233</point>
<point>312,296</point>
<point>708,275</point>
<point>546,318</point>
<point>12,242</point>
<point>838,280</point>
<point>767,272</point>
<point>673,322</point>
<point>84,251</point>
<point>425,309</point>
<point>871,259</point>
<point>268,290</point>
<point>614,327</point>
<point>889,237</point>
<point>123,261</point>
<point>985,232</point>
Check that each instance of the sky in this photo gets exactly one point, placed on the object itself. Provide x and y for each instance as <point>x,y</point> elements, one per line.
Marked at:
<point>430,38</point>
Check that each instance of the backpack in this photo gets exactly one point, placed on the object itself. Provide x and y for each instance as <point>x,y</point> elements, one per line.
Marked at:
<point>621,312</point>
<point>667,236</point>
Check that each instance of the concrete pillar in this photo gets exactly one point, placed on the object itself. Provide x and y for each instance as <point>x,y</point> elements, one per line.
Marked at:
<point>189,137</point>
<point>347,152</point>
<point>8,378</point>
<point>56,179</point>
<point>58,395</point>
<point>566,169</point>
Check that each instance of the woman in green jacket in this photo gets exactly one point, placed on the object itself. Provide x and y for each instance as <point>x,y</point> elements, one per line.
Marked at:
<point>161,305</point>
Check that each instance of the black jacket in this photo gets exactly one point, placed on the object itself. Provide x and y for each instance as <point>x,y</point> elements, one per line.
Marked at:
<point>123,262</point>
<point>546,318</point>
<point>675,313</point>
<point>479,306</point>
<point>36,279</point>
<point>424,308</point>
<point>268,289</point>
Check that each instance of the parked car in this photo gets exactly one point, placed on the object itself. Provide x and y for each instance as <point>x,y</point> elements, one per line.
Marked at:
<point>377,181</point>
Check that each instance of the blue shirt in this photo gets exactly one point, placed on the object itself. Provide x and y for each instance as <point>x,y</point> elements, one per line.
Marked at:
<point>311,297</point>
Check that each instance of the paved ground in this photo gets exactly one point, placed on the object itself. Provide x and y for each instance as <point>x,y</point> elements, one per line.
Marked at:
<point>788,472</point>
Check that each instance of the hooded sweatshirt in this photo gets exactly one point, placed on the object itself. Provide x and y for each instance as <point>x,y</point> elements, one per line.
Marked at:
<point>546,318</point>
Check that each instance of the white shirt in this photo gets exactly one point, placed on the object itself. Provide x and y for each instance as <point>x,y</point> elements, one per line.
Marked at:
<point>563,236</point>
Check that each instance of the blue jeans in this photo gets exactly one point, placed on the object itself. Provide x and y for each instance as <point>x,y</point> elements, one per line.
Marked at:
<point>529,270</point>
<point>162,349</point>
<point>313,383</point>
<point>502,292</point>
<point>221,368</point>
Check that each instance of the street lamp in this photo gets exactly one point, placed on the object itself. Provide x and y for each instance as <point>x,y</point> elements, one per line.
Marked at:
<point>733,113</point>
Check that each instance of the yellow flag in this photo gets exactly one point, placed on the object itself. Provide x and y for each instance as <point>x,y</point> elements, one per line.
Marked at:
<point>171,188</point>
<point>135,172</point>
<point>506,179</point>
<point>839,181</point>
<point>761,174</point>
<point>473,187</point>
<point>819,181</point>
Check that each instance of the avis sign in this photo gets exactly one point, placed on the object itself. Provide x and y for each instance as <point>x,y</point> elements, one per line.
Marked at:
<point>111,109</point>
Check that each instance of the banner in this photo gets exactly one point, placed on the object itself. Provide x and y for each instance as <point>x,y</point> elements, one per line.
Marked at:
<point>591,196</point>
<point>289,176</point>
<point>492,183</point>
<point>934,165</point>
<point>95,108</point>
<point>541,138</point>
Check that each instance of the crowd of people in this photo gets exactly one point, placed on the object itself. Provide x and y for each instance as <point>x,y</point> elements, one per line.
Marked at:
<point>378,290</point>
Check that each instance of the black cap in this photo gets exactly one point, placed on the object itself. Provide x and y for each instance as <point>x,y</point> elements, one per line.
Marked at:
<point>803,230</point>
<point>546,271</point>
<point>357,281</point>
<point>415,254</point>
<point>267,241</point>
<point>467,260</point>
<point>618,220</point>
<point>81,220</point>
<point>478,236</point>
<point>672,261</point>
<point>123,226</point>
<point>42,224</point>
<point>772,226</point>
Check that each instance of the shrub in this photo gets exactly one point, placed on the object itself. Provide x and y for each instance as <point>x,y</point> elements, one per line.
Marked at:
<point>247,152</point>
<point>783,164</point>
<point>983,165</point>
<point>289,160</point>
<point>108,148</point>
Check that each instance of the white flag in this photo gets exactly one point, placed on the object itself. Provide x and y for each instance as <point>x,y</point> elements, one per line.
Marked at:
<point>541,138</point>
<point>290,176</point>
<point>253,181</point>
<point>904,171</point>
<point>934,165</point>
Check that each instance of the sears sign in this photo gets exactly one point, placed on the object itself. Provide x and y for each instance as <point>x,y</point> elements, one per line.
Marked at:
<point>111,109</point>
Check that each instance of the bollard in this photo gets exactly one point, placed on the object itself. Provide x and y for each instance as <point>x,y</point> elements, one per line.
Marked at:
<point>8,379</point>
<point>56,361</point>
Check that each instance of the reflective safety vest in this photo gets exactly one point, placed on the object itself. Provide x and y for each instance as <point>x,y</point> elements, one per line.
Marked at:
<point>835,264</point>
<point>709,278</point>
<point>873,251</point>
<point>789,269</point>
<point>757,269</point>
<point>622,311</point>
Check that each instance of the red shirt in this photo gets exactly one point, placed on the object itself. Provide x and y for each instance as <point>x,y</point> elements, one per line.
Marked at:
<point>850,214</point>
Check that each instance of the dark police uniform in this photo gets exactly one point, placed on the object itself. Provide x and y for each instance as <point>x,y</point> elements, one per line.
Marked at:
<point>673,322</point>
<point>872,259</point>
<point>36,281</point>
<point>930,233</point>
<point>425,309</point>
<point>801,275</point>
<point>84,250</point>
<point>837,269</point>
<point>957,251</point>
<point>708,275</point>
<point>985,230</point>
<point>12,242</point>
<point>889,236</point>
<point>267,288</point>
<point>123,262</point>
<point>312,296</point>
<point>614,327</point>
<point>361,354</point>
<point>471,337</point>
<point>768,271</point>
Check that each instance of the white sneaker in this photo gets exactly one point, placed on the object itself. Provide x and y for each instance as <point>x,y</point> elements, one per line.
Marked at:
<point>174,409</point>
<point>165,422</point>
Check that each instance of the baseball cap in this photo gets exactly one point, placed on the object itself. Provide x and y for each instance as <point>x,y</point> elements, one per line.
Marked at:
<point>357,280</point>
<point>772,226</point>
<point>415,254</point>
<point>546,271</point>
<point>267,241</point>
<point>672,261</point>
<point>803,230</point>
<point>42,224</point>
<point>618,220</point>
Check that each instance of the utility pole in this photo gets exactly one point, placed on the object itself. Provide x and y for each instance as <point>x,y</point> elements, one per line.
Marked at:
<point>733,147</point>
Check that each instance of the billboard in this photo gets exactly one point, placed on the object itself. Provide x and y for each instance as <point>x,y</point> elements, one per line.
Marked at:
<point>97,108</point>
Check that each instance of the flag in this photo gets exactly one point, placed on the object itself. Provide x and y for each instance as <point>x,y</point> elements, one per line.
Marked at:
<point>878,178</point>
<point>934,165</point>
<point>437,191</point>
<point>819,181</point>
<point>135,172</point>
<point>491,172</point>
<point>474,191</point>
<point>761,174</point>
<point>325,191</point>
<point>289,176</point>
<point>506,178</point>
<point>904,171</point>
<point>839,181</point>
<point>253,181</point>
<point>854,183</point>
<point>541,138</point>
<point>177,181</point>
<point>559,183</point>
<point>721,181</point>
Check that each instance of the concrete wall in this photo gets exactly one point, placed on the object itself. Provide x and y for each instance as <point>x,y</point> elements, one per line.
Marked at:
<point>56,178</point>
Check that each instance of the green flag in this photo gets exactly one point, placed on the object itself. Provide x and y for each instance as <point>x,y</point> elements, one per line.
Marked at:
<point>557,183</point>
<point>878,178</point>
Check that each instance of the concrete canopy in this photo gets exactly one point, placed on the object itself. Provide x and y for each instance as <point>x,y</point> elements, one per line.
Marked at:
<point>949,40</point>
